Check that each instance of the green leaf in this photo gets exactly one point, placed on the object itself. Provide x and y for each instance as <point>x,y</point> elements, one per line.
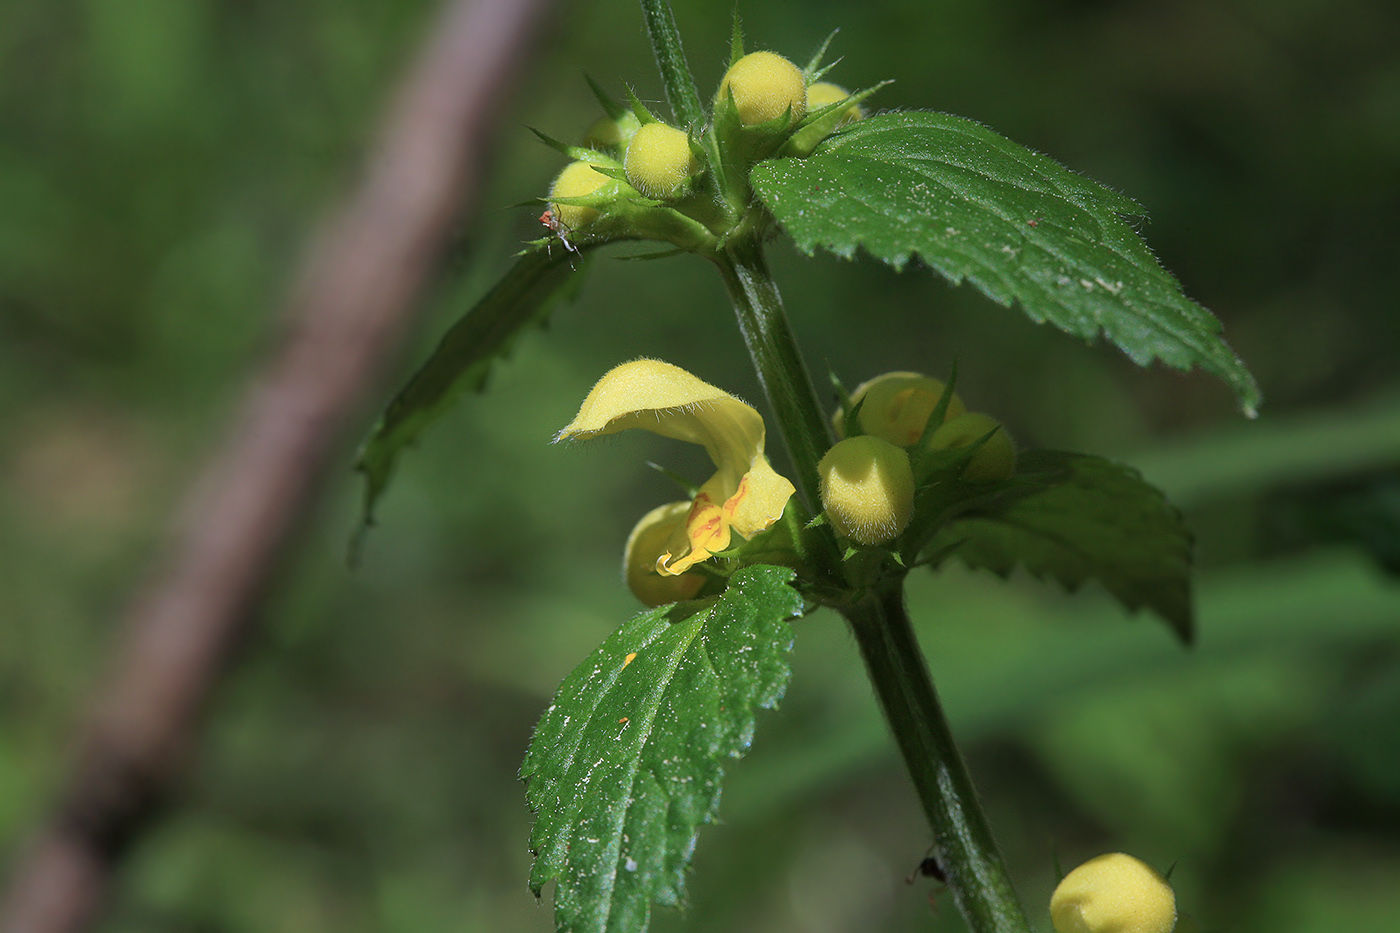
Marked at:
<point>625,765</point>
<point>1077,518</point>
<point>463,359</point>
<point>1018,225</point>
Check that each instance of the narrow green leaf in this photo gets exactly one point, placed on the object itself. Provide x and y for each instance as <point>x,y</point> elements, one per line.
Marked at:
<point>1079,518</point>
<point>670,58</point>
<point>463,359</point>
<point>1019,226</point>
<point>612,108</point>
<point>626,764</point>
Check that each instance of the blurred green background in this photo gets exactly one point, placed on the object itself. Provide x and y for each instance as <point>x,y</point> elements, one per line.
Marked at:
<point>161,166</point>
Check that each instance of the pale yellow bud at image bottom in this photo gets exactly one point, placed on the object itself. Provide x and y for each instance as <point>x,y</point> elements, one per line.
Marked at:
<point>1113,893</point>
<point>577,180</point>
<point>867,489</point>
<point>765,85</point>
<point>659,162</point>
<point>897,406</point>
<point>994,460</point>
<point>644,545</point>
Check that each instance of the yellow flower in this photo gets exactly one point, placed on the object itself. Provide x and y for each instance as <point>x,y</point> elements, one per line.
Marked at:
<point>745,495</point>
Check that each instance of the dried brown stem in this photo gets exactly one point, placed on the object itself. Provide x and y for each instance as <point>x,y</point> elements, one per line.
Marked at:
<point>344,317</point>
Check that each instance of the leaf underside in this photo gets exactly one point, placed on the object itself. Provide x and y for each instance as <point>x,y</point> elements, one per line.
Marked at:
<point>1019,226</point>
<point>462,360</point>
<point>1080,518</point>
<point>626,764</point>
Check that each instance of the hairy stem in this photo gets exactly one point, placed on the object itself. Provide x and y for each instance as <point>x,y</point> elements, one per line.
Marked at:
<point>670,58</point>
<point>963,842</point>
<point>781,369</point>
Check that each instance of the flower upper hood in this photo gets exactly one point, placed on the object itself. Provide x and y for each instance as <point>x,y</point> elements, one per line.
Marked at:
<point>745,494</point>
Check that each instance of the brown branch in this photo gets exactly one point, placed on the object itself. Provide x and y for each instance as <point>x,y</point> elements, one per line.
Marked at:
<point>352,302</point>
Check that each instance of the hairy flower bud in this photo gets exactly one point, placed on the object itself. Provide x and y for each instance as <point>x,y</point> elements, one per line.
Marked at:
<point>819,95</point>
<point>607,133</point>
<point>577,180</point>
<point>645,545</point>
<point>896,406</point>
<point>659,162</point>
<point>1113,893</point>
<point>867,489</point>
<point>994,460</point>
<point>824,94</point>
<point>765,86</point>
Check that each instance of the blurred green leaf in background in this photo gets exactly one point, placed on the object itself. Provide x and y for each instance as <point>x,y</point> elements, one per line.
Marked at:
<point>160,165</point>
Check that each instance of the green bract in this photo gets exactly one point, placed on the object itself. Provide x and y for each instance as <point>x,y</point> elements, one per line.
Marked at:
<point>994,459</point>
<point>819,95</point>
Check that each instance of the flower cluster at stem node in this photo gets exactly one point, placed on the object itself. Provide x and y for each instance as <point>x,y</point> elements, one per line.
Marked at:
<point>689,186</point>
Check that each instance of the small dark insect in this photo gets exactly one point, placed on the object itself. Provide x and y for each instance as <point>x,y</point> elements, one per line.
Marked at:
<point>928,868</point>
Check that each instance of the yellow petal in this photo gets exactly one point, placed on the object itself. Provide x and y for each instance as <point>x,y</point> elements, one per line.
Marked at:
<point>645,545</point>
<point>745,494</point>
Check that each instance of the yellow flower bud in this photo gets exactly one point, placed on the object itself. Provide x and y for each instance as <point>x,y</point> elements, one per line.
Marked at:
<point>994,460</point>
<point>867,489</point>
<point>659,162</point>
<point>824,94</point>
<point>577,179</point>
<point>897,406</point>
<point>765,85</point>
<point>645,545</point>
<point>821,95</point>
<point>1113,893</point>
<point>607,133</point>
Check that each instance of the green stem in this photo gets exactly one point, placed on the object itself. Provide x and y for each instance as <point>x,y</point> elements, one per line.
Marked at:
<point>780,366</point>
<point>963,842</point>
<point>670,59</point>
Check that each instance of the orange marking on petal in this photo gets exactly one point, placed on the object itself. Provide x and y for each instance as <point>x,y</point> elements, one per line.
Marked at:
<point>732,504</point>
<point>705,523</point>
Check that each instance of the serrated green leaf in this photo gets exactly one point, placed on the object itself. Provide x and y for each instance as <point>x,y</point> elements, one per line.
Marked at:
<point>462,359</point>
<point>1082,518</point>
<point>625,765</point>
<point>1019,226</point>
